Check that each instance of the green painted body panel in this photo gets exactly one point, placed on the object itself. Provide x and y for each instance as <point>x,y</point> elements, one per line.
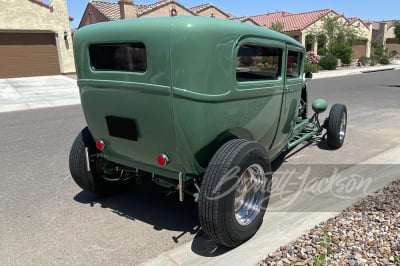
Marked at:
<point>188,102</point>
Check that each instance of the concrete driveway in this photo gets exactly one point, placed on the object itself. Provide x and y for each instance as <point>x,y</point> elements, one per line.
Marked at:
<point>37,92</point>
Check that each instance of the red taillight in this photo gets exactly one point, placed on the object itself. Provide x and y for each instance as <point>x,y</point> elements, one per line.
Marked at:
<point>100,145</point>
<point>162,159</point>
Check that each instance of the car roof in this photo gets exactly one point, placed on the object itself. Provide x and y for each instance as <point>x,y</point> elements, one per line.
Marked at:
<point>199,23</point>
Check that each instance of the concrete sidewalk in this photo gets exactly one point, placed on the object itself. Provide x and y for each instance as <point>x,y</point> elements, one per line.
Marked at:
<point>37,92</point>
<point>353,71</point>
<point>283,225</point>
<point>51,91</point>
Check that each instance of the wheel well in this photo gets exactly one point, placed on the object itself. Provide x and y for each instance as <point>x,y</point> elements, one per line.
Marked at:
<point>204,155</point>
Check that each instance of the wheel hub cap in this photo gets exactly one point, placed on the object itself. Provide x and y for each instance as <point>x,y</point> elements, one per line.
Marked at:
<point>249,194</point>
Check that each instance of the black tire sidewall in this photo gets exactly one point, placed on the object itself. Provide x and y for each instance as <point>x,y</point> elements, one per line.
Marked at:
<point>218,180</point>
<point>335,116</point>
<point>237,232</point>
<point>90,181</point>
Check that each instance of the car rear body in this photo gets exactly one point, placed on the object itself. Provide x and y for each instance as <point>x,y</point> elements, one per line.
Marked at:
<point>179,94</point>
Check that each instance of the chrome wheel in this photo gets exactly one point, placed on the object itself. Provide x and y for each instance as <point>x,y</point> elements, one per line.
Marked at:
<point>249,194</point>
<point>343,123</point>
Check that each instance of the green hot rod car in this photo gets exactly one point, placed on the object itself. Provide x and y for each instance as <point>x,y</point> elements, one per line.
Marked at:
<point>199,106</point>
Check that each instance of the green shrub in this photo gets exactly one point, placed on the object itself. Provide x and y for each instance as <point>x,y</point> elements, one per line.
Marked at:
<point>343,52</point>
<point>373,61</point>
<point>393,53</point>
<point>364,60</point>
<point>328,62</point>
<point>322,51</point>
<point>314,68</point>
<point>385,61</point>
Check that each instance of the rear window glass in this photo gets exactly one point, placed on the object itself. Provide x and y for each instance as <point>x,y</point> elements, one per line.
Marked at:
<point>258,63</point>
<point>119,57</point>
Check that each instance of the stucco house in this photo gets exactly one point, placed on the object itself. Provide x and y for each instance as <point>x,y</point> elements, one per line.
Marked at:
<point>300,26</point>
<point>35,38</point>
<point>383,32</point>
<point>101,11</point>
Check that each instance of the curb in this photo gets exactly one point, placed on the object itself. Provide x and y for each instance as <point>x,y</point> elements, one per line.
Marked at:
<point>378,70</point>
<point>341,73</point>
<point>281,228</point>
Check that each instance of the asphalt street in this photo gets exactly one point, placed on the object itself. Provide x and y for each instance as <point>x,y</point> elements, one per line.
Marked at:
<point>46,219</point>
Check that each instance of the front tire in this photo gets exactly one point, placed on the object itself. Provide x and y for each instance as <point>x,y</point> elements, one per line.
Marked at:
<point>235,192</point>
<point>92,180</point>
<point>337,123</point>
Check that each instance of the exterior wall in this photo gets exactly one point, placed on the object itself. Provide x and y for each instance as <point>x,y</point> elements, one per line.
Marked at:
<point>390,33</point>
<point>166,11</point>
<point>365,38</point>
<point>212,11</point>
<point>393,45</point>
<point>24,15</point>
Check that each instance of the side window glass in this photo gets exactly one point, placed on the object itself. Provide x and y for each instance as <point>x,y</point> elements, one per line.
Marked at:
<point>293,64</point>
<point>256,63</point>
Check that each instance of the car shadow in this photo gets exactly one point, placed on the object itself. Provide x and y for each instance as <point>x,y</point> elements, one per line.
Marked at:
<point>203,246</point>
<point>391,86</point>
<point>149,204</point>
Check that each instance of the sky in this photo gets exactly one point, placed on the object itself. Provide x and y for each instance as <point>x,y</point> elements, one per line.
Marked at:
<point>364,9</point>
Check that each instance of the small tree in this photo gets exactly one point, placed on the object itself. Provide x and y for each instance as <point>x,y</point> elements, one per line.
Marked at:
<point>339,36</point>
<point>397,30</point>
<point>277,26</point>
<point>379,49</point>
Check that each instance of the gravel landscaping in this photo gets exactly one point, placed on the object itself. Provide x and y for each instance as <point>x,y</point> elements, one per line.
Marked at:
<point>368,233</point>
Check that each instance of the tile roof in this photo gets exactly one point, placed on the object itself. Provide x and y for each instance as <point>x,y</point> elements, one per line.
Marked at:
<point>200,8</point>
<point>242,19</point>
<point>390,23</point>
<point>111,9</point>
<point>41,3</point>
<point>355,19</point>
<point>108,9</point>
<point>376,24</point>
<point>292,22</point>
<point>146,8</point>
<point>197,9</point>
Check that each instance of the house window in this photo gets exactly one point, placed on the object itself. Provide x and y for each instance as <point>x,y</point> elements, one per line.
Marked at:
<point>293,64</point>
<point>258,63</point>
<point>118,57</point>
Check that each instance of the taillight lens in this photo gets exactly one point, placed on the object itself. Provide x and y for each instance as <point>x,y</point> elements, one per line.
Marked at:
<point>162,159</point>
<point>100,145</point>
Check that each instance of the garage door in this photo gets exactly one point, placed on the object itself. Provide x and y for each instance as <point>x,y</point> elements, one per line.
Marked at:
<point>28,54</point>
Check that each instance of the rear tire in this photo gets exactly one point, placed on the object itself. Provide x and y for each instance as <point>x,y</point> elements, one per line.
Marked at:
<point>92,180</point>
<point>337,123</point>
<point>235,192</point>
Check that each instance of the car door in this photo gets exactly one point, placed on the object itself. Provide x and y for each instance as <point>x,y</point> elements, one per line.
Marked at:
<point>293,83</point>
<point>260,83</point>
